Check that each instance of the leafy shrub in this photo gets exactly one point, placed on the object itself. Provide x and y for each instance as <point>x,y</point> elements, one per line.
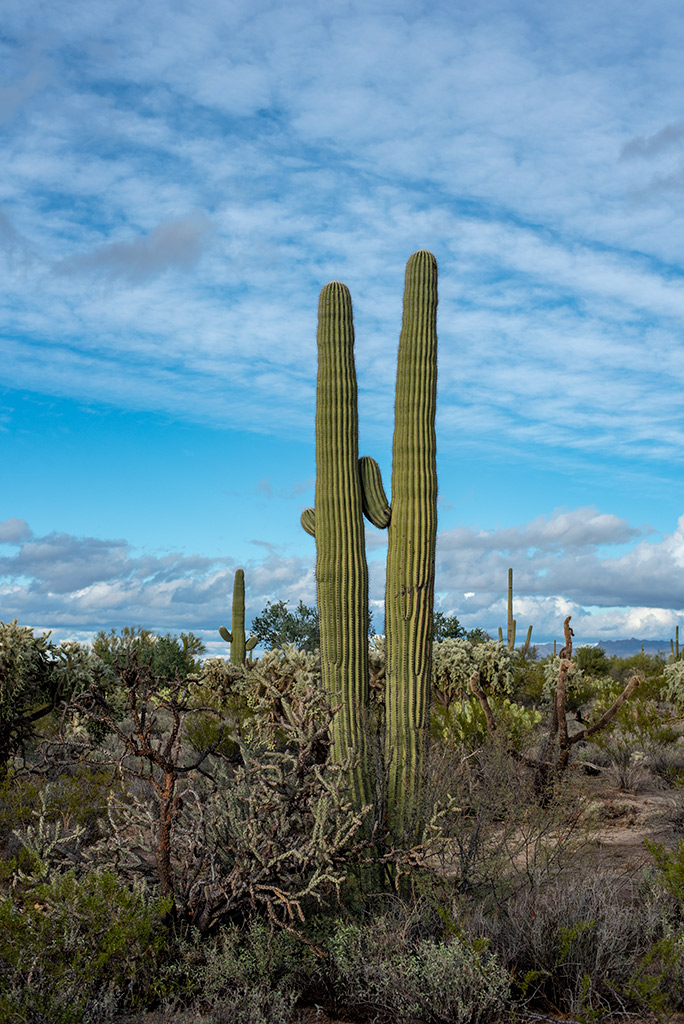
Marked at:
<point>592,661</point>
<point>71,948</point>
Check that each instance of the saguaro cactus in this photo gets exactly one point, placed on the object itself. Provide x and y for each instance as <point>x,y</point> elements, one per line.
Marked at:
<point>412,534</point>
<point>511,623</point>
<point>236,638</point>
<point>348,488</point>
<point>341,567</point>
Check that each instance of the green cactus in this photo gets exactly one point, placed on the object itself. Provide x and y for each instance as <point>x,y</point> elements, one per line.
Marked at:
<point>337,524</point>
<point>238,644</point>
<point>348,488</point>
<point>511,622</point>
<point>510,625</point>
<point>412,535</point>
<point>674,645</point>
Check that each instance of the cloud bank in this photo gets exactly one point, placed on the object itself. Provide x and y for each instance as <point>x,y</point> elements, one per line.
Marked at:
<point>564,563</point>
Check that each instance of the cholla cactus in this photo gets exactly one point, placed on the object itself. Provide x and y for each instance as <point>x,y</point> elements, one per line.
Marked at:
<point>455,661</point>
<point>674,683</point>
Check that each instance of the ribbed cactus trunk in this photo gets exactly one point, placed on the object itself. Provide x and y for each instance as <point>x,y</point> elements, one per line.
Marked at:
<point>409,596</point>
<point>235,636</point>
<point>341,567</point>
<point>238,646</point>
<point>510,624</point>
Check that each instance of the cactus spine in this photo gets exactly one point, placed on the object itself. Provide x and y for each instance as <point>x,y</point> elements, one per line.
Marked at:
<point>412,534</point>
<point>341,567</point>
<point>236,638</point>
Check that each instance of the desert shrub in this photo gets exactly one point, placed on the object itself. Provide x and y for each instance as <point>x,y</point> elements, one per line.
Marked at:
<point>585,949</point>
<point>73,949</point>
<point>238,976</point>
<point>592,661</point>
<point>528,679</point>
<point>496,838</point>
<point>380,967</point>
<point>636,739</point>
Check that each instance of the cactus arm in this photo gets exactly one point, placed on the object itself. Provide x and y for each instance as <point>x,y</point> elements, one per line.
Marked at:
<point>251,643</point>
<point>376,507</point>
<point>341,567</point>
<point>308,521</point>
<point>226,634</point>
<point>411,543</point>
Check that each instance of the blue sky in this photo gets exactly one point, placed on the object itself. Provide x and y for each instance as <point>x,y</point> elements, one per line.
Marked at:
<point>179,181</point>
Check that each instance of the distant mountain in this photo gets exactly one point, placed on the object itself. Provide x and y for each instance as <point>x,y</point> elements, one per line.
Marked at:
<point>621,648</point>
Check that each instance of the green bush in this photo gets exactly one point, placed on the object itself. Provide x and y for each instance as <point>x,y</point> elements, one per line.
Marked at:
<point>70,947</point>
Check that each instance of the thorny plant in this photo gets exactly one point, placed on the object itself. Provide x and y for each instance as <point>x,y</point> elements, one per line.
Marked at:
<point>269,827</point>
<point>145,722</point>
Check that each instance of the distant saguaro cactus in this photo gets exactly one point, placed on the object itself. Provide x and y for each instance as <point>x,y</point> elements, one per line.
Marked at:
<point>236,638</point>
<point>511,622</point>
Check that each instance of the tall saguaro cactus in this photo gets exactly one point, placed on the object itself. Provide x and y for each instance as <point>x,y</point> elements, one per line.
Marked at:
<point>341,567</point>
<point>236,638</point>
<point>348,488</point>
<point>412,535</point>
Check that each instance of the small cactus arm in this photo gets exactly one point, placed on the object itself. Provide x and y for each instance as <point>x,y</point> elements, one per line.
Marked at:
<point>341,567</point>
<point>376,507</point>
<point>511,623</point>
<point>412,534</point>
<point>238,644</point>
<point>308,521</point>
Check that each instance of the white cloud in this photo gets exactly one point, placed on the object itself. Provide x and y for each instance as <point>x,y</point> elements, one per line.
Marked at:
<point>563,564</point>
